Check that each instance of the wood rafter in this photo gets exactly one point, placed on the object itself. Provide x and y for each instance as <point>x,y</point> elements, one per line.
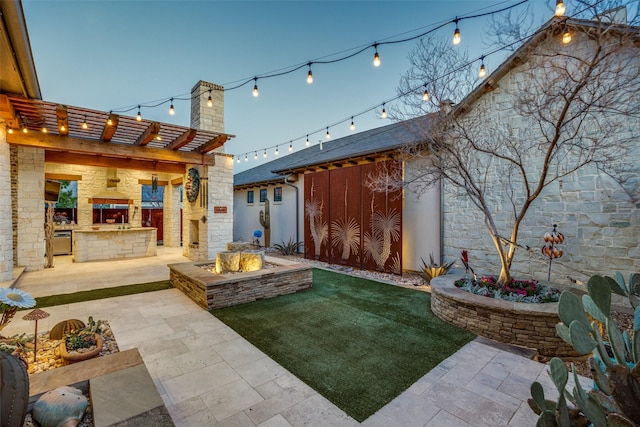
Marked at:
<point>182,140</point>
<point>112,162</point>
<point>62,177</point>
<point>149,134</point>
<point>110,127</point>
<point>150,182</point>
<point>213,144</point>
<point>62,119</point>
<point>176,181</point>
<point>124,152</point>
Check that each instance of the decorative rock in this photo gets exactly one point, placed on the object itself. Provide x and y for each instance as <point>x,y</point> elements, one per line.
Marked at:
<point>251,260</point>
<point>63,406</point>
<point>227,262</point>
<point>239,246</point>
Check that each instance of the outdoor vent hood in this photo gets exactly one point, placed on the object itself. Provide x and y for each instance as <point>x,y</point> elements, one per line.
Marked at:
<point>111,195</point>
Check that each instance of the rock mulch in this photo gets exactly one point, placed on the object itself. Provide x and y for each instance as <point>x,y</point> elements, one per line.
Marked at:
<point>48,351</point>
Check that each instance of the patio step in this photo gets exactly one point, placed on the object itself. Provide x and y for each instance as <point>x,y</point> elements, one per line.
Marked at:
<point>17,272</point>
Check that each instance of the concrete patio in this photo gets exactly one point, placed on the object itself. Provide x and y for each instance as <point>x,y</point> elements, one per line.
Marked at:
<point>208,375</point>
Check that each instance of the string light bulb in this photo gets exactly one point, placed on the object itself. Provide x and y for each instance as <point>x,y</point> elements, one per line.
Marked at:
<point>309,75</point>
<point>109,121</point>
<point>560,8</point>
<point>483,69</point>
<point>172,111</point>
<point>307,141</point>
<point>10,131</point>
<point>456,34</point>
<point>24,129</point>
<point>265,153</point>
<point>84,123</point>
<point>352,126</point>
<point>139,116</point>
<point>209,100</point>
<point>255,155</point>
<point>383,115</point>
<point>44,127</point>
<point>328,135</point>
<point>63,128</point>
<point>255,87</point>
<point>277,151</point>
<point>290,145</point>
<point>246,159</point>
<point>566,36</point>
<point>238,161</point>
<point>425,95</point>
<point>376,56</point>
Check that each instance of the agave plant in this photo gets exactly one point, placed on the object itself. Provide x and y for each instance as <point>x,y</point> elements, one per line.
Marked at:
<point>615,367</point>
<point>431,270</point>
<point>289,248</point>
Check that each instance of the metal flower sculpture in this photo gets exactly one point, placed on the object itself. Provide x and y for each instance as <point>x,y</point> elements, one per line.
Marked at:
<point>10,301</point>
<point>552,238</point>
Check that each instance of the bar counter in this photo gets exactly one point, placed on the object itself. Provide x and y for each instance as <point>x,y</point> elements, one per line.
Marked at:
<point>111,243</point>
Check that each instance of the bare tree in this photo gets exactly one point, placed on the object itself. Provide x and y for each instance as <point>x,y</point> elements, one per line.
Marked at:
<point>551,109</point>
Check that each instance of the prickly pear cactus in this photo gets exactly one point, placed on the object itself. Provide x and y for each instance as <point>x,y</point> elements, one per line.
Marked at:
<point>615,400</point>
<point>265,221</point>
<point>14,391</point>
<point>64,327</point>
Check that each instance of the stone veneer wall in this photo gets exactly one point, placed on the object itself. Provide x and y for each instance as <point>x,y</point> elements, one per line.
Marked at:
<point>6,200</point>
<point>30,208</point>
<point>97,245</point>
<point>215,291</point>
<point>522,324</point>
<point>599,218</point>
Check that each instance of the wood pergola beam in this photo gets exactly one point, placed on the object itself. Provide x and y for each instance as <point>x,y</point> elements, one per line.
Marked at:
<point>62,119</point>
<point>182,140</point>
<point>110,127</point>
<point>112,162</point>
<point>123,151</point>
<point>211,145</point>
<point>149,134</point>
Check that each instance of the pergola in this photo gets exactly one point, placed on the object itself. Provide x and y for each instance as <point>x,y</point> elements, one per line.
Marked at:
<point>77,135</point>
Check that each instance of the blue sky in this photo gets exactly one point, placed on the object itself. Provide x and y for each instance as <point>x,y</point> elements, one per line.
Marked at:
<point>106,55</point>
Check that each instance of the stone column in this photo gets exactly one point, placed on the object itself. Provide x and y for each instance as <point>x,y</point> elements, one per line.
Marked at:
<point>220,204</point>
<point>31,208</point>
<point>6,233</point>
<point>172,215</point>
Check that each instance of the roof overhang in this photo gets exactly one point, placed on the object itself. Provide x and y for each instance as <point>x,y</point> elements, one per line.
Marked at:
<point>17,69</point>
<point>81,136</point>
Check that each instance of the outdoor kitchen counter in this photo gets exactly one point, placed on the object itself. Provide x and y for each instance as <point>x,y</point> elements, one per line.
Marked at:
<point>111,243</point>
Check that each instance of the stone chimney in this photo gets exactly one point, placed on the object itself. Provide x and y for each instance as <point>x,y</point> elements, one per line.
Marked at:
<point>204,117</point>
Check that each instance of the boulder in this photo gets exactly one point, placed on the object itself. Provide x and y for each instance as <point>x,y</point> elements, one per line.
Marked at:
<point>227,262</point>
<point>251,260</point>
<point>239,246</point>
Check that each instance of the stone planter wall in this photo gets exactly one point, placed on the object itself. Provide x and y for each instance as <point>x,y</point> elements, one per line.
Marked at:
<point>209,290</point>
<point>527,325</point>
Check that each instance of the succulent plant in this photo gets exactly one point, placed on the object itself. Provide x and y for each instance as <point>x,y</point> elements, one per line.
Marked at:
<point>14,391</point>
<point>615,398</point>
<point>265,221</point>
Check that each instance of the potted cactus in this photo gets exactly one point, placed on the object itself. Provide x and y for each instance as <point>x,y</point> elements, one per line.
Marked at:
<point>82,344</point>
<point>615,367</point>
<point>14,391</point>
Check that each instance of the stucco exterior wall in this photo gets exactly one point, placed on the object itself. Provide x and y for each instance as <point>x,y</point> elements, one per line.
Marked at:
<point>599,218</point>
<point>421,219</point>
<point>246,217</point>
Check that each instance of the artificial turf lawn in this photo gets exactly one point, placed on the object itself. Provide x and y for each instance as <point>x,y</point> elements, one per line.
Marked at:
<point>357,342</point>
<point>50,301</point>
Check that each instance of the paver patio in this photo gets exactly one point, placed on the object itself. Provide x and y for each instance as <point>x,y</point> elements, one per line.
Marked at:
<point>208,375</point>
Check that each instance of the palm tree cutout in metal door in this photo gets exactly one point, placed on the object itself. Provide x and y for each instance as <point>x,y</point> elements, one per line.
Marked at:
<point>319,230</point>
<point>385,230</point>
<point>345,232</point>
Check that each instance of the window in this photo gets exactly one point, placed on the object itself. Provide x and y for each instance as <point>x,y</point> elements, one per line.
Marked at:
<point>263,195</point>
<point>66,208</point>
<point>250,196</point>
<point>277,194</point>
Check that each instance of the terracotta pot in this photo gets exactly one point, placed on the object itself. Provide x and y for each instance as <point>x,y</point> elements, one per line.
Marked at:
<point>73,357</point>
